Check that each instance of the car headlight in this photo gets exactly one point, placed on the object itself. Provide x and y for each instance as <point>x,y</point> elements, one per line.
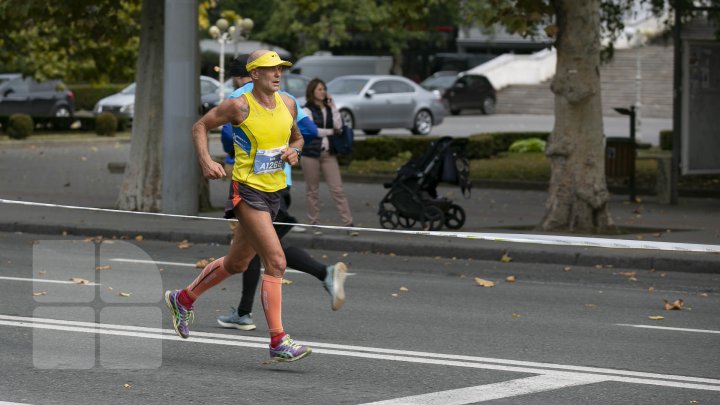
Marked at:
<point>128,109</point>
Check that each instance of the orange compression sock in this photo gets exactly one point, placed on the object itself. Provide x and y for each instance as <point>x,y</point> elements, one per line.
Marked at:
<point>271,293</point>
<point>212,275</point>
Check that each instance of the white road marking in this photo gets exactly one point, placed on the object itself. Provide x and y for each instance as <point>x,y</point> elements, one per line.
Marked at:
<point>669,328</point>
<point>12,403</point>
<point>288,270</point>
<point>548,369</point>
<point>42,280</point>
<point>488,392</point>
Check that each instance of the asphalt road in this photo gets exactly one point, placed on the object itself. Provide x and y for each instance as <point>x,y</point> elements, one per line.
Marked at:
<point>556,335</point>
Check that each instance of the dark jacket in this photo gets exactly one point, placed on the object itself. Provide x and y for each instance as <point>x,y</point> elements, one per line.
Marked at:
<point>312,148</point>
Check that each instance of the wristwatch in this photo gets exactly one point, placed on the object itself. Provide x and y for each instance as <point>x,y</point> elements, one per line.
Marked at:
<point>298,151</point>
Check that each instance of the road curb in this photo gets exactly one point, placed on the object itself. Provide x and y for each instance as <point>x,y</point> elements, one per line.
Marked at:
<point>449,248</point>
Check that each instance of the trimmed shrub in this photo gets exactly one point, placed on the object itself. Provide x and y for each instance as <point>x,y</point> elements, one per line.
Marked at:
<point>20,126</point>
<point>666,136</point>
<point>532,145</point>
<point>480,146</point>
<point>503,140</point>
<point>106,124</point>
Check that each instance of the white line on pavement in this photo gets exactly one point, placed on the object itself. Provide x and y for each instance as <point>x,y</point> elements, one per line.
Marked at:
<point>669,328</point>
<point>557,370</point>
<point>288,270</point>
<point>42,280</point>
<point>488,392</point>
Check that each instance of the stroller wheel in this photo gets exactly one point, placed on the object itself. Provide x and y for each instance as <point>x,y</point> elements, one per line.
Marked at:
<point>433,218</point>
<point>455,217</point>
<point>405,222</point>
<point>388,220</point>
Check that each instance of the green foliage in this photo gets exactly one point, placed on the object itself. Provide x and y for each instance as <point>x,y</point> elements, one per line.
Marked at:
<point>532,145</point>
<point>86,95</point>
<point>480,146</point>
<point>666,136</point>
<point>20,126</point>
<point>503,140</point>
<point>73,40</point>
<point>106,124</point>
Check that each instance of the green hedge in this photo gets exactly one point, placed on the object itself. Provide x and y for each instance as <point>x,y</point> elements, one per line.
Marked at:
<point>666,136</point>
<point>480,146</point>
<point>87,95</point>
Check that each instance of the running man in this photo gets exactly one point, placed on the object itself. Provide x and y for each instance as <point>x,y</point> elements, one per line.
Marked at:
<point>271,139</point>
<point>332,277</point>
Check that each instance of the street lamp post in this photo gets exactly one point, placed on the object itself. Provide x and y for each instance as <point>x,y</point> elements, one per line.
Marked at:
<point>222,32</point>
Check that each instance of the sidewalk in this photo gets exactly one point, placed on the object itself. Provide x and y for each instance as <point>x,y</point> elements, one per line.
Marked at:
<point>66,176</point>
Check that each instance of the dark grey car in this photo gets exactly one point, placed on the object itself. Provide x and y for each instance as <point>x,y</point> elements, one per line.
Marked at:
<point>463,91</point>
<point>26,95</point>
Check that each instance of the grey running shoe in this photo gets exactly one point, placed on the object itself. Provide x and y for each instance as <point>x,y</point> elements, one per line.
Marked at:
<point>334,284</point>
<point>182,317</point>
<point>232,320</point>
<point>289,350</point>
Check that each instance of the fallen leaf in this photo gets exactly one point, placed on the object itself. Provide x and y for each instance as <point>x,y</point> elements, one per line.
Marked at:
<point>184,244</point>
<point>663,274</point>
<point>656,317</point>
<point>484,283</point>
<point>105,267</point>
<point>404,289</point>
<point>510,279</point>
<point>703,294</point>
<point>391,254</point>
<point>344,255</point>
<point>676,305</point>
<point>598,266</point>
<point>126,386</point>
<point>515,315</point>
<point>109,288</point>
<point>505,258</point>
<point>78,280</point>
<point>324,256</point>
<point>286,281</point>
<point>632,278</point>
<point>42,273</point>
<point>37,294</point>
<point>627,273</point>
<point>124,294</point>
<point>139,237</point>
<point>83,158</point>
<point>568,268</point>
<point>394,295</point>
<point>651,289</point>
<point>202,263</point>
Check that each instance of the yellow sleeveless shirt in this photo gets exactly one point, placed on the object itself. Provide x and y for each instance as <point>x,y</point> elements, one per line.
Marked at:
<point>259,143</point>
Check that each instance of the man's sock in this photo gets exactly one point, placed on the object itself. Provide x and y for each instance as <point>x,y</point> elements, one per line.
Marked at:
<point>212,275</point>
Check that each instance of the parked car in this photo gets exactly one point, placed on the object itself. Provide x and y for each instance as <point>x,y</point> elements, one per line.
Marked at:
<point>50,98</point>
<point>290,82</point>
<point>122,104</point>
<point>374,102</point>
<point>461,91</point>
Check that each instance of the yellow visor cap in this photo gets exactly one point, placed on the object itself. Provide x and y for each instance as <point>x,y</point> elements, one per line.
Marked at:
<point>269,59</point>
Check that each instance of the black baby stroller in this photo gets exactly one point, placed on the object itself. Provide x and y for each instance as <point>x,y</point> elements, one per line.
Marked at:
<point>413,196</point>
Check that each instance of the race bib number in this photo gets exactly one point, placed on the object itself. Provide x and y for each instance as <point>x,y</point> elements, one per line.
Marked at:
<point>268,161</point>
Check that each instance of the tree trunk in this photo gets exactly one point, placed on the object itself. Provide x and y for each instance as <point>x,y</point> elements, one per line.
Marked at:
<point>578,196</point>
<point>141,189</point>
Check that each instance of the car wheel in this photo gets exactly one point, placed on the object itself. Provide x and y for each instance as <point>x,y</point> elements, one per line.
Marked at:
<point>62,111</point>
<point>371,131</point>
<point>455,111</point>
<point>488,106</point>
<point>423,123</point>
<point>347,118</point>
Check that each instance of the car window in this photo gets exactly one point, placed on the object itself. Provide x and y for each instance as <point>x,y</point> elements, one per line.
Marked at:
<point>47,86</point>
<point>19,85</point>
<point>346,86</point>
<point>401,87</point>
<point>382,87</point>
<point>296,85</point>
<point>129,89</point>
<point>439,82</point>
<point>207,87</point>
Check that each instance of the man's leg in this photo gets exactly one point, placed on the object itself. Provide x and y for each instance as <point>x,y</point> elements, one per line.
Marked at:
<point>333,277</point>
<point>260,234</point>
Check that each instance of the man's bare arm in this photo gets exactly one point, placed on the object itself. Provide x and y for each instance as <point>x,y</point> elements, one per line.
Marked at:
<point>231,110</point>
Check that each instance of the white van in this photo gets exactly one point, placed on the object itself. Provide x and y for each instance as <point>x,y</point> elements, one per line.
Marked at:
<point>328,66</point>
